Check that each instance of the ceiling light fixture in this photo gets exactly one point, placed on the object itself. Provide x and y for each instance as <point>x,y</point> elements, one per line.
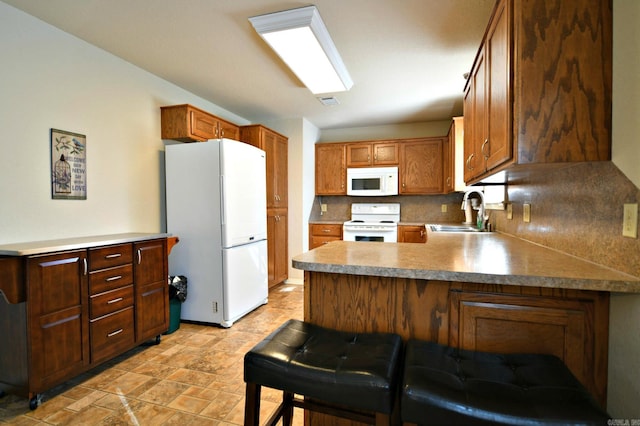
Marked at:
<point>302,41</point>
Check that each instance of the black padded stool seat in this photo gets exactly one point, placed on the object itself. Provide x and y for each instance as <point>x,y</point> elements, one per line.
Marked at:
<point>356,371</point>
<point>443,385</point>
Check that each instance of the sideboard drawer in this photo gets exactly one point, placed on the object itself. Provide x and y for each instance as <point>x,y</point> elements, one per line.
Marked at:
<point>111,301</point>
<point>109,256</point>
<point>110,279</point>
<point>112,334</point>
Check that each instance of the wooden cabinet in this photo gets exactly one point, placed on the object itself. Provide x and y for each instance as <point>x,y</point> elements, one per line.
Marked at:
<point>530,95</point>
<point>186,123</point>
<point>453,160</point>
<point>412,234</point>
<point>331,169</point>
<point>421,166</point>
<point>57,312</point>
<point>111,301</point>
<point>364,154</point>
<point>323,233</point>
<point>567,327</point>
<point>80,308</point>
<point>151,289</point>
<point>276,147</point>
<point>277,241</point>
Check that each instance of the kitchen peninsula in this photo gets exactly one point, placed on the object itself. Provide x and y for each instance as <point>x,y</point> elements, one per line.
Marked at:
<point>482,291</point>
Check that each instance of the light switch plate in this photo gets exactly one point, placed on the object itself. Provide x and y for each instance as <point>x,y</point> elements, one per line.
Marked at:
<point>443,208</point>
<point>630,221</point>
<point>323,208</point>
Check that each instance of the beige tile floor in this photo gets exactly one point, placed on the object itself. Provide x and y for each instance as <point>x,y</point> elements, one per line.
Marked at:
<point>193,377</point>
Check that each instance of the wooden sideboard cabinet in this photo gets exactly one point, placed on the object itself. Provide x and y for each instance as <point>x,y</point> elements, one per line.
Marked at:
<point>323,233</point>
<point>78,308</point>
<point>186,123</point>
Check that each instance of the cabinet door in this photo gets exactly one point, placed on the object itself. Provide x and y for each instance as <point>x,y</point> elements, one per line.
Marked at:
<point>499,147</point>
<point>281,157</point>
<point>151,289</point>
<point>359,154</point>
<point>421,166</point>
<point>385,153</point>
<point>412,234</point>
<point>203,125</point>
<point>331,169</point>
<point>475,131</point>
<point>277,253</point>
<point>58,317</point>
<point>228,130</point>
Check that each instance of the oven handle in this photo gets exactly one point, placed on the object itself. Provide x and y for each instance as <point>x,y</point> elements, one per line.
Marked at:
<point>364,230</point>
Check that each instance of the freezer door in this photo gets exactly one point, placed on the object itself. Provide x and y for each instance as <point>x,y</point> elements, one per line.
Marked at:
<point>243,193</point>
<point>244,280</point>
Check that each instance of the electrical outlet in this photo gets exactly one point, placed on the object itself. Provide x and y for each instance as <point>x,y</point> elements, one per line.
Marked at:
<point>443,208</point>
<point>323,208</point>
<point>526,212</point>
<point>510,211</point>
<point>630,221</point>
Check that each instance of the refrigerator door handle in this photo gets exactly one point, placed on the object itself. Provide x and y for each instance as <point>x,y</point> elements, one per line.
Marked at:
<point>223,215</point>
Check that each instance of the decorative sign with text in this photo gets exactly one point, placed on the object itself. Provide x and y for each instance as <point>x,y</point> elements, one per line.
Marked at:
<point>68,165</point>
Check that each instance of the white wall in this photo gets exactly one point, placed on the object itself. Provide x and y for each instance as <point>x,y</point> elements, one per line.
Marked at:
<point>624,322</point>
<point>50,79</point>
<point>389,131</point>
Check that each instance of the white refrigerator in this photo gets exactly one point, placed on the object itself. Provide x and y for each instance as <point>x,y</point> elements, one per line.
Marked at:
<point>216,206</point>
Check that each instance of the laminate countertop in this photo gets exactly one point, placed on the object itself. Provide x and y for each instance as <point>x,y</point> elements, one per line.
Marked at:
<point>41,247</point>
<point>488,258</point>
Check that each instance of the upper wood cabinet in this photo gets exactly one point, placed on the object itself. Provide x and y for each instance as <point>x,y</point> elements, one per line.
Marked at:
<point>186,123</point>
<point>363,154</point>
<point>421,166</point>
<point>276,147</point>
<point>453,157</point>
<point>331,176</point>
<point>540,87</point>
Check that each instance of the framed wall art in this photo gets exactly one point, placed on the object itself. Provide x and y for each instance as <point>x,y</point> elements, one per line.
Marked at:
<point>68,165</point>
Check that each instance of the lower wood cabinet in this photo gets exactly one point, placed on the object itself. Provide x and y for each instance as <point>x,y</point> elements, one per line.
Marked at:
<point>323,233</point>
<point>412,234</point>
<point>80,308</point>
<point>277,253</point>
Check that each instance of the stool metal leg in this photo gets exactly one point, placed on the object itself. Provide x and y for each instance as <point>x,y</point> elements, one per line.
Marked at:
<point>252,405</point>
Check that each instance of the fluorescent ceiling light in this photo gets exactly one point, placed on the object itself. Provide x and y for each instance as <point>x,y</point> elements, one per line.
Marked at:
<point>302,41</point>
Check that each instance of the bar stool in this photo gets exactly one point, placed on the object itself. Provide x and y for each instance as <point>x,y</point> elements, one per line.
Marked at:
<point>444,385</point>
<point>350,375</point>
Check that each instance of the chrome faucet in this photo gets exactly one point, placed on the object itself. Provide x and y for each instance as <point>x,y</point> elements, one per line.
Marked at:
<point>481,210</point>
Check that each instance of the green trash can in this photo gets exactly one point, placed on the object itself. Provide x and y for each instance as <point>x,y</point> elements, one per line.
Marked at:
<point>174,315</point>
<point>177,295</point>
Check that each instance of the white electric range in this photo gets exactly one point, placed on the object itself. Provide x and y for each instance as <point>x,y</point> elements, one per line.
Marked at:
<point>372,222</point>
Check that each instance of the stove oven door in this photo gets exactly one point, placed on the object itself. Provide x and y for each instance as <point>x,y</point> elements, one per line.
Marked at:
<point>364,233</point>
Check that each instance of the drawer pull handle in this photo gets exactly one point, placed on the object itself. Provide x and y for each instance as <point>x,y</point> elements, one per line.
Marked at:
<point>115,333</point>
<point>114,300</point>
<point>113,256</point>
<point>117,277</point>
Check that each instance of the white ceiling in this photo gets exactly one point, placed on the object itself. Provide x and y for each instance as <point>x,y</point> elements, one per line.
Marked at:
<point>406,57</point>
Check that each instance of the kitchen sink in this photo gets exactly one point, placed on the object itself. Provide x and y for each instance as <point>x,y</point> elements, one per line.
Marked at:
<point>454,228</point>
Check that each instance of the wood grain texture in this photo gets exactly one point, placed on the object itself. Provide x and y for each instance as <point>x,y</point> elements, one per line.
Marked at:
<point>563,71</point>
<point>571,324</point>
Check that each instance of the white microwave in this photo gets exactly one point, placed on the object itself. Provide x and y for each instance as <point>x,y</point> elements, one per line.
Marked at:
<point>372,181</point>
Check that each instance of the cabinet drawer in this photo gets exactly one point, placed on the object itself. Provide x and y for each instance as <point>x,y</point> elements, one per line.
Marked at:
<point>318,241</point>
<point>107,257</point>
<point>326,230</point>
<point>110,279</point>
<point>111,301</point>
<point>112,334</point>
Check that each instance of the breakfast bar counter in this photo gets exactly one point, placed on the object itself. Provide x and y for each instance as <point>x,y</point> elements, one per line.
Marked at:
<point>480,291</point>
